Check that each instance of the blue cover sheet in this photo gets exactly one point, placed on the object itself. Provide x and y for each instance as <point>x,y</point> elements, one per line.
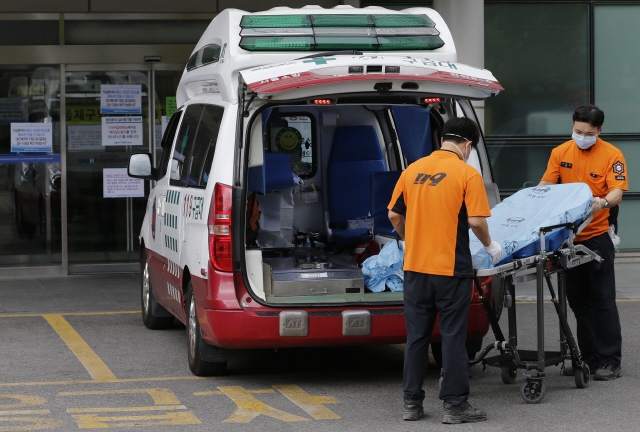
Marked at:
<point>515,222</point>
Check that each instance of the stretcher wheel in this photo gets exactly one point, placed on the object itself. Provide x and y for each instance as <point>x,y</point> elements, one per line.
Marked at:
<point>582,376</point>
<point>508,375</point>
<point>533,391</point>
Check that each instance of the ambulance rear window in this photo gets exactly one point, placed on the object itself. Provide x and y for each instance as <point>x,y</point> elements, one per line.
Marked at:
<point>293,134</point>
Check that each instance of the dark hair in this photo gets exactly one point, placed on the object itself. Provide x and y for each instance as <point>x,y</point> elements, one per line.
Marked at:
<point>589,114</point>
<point>461,129</point>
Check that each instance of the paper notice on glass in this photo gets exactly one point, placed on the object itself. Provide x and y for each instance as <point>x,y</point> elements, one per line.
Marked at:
<point>121,131</point>
<point>31,137</point>
<point>84,137</point>
<point>120,99</point>
<point>117,184</point>
<point>14,110</point>
<point>170,105</point>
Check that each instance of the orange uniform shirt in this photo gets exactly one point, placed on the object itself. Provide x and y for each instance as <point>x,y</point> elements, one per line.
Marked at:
<point>602,167</point>
<point>437,194</point>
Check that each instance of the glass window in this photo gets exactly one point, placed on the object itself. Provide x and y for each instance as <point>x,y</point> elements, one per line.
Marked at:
<point>205,144</point>
<point>184,142</point>
<point>518,165</point>
<point>127,32</point>
<point>30,173</point>
<point>628,224</point>
<point>397,5</point>
<point>540,55</point>
<point>167,142</point>
<point>616,65</point>
<point>293,133</point>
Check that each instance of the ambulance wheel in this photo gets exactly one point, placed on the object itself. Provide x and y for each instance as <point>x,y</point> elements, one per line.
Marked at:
<point>533,391</point>
<point>582,376</point>
<point>198,366</point>
<point>149,305</point>
<point>508,375</point>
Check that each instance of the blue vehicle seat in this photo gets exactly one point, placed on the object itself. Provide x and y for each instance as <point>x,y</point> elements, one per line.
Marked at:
<point>355,155</point>
<point>274,174</point>
<point>382,185</point>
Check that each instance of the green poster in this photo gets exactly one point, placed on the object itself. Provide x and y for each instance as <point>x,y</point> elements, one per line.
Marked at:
<point>171,105</point>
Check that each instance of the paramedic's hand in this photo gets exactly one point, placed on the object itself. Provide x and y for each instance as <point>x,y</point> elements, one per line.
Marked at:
<point>595,205</point>
<point>495,251</point>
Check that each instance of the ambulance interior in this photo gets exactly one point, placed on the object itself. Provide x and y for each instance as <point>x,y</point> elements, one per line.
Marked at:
<point>320,178</point>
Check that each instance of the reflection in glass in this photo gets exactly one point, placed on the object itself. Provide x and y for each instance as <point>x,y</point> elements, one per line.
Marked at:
<point>30,182</point>
<point>518,165</point>
<point>540,55</point>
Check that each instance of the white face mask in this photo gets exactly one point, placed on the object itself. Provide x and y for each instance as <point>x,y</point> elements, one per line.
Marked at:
<point>584,142</point>
<point>464,159</point>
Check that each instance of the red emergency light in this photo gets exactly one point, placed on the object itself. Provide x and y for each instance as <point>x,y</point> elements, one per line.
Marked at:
<point>322,101</point>
<point>431,100</point>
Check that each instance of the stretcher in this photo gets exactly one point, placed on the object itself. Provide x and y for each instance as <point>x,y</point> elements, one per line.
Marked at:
<point>541,266</point>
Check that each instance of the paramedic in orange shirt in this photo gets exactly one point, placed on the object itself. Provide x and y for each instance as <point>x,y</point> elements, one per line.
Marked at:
<point>435,201</point>
<point>592,291</point>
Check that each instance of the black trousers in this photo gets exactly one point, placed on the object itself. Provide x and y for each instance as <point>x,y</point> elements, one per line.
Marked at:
<point>424,296</point>
<point>592,297</point>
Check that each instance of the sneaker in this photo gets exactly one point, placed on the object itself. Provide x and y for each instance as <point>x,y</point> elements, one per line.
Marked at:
<point>608,373</point>
<point>463,413</point>
<point>412,411</point>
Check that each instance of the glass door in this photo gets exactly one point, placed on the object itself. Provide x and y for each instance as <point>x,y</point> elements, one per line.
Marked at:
<point>30,177</point>
<point>111,114</point>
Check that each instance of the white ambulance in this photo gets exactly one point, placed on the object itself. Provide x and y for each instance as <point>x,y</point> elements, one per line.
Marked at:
<point>276,170</point>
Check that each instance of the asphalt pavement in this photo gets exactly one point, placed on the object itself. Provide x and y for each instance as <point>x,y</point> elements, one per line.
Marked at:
<point>75,355</point>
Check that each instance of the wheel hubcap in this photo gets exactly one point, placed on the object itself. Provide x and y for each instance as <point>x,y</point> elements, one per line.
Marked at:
<point>192,328</point>
<point>145,288</point>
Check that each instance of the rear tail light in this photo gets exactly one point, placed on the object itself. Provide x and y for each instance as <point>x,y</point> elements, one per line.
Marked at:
<point>219,226</point>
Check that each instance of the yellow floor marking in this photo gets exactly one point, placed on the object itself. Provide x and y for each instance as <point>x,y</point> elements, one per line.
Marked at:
<point>89,359</point>
<point>312,405</point>
<point>70,314</point>
<point>400,347</point>
<point>23,401</point>
<point>248,407</point>
<point>127,409</point>
<point>20,412</point>
<point>29,423</point>
<point>89,421</point>
<point>125,380</point>
<point>160,396</point>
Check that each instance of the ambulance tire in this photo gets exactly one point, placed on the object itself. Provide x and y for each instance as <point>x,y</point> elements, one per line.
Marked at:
<point>198,366</point>
<point>162,319</point>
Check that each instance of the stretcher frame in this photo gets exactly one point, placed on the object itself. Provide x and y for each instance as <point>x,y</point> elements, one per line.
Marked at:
<point>540,267</point>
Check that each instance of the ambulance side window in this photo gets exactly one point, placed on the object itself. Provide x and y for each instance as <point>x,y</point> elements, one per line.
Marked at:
<point>167,142</point>
<point>184,143</point>
<point>205,144</point>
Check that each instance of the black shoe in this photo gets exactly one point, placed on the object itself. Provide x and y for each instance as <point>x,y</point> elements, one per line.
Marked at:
<point>608,373</point>
<point>412,411</point>
<point>463,413</point>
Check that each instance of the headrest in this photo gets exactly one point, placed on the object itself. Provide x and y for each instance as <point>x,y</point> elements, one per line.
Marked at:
<point>273,175</point>
<point>355,143</point>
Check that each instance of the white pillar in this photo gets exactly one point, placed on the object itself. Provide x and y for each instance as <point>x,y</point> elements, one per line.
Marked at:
<point>465,19</point>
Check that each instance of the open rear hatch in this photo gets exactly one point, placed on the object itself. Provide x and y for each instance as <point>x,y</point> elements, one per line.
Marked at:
<point>316,272</point>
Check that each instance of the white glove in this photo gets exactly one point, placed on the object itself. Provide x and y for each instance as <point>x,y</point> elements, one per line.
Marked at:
<point>595,205</point>
<point>495,251</point>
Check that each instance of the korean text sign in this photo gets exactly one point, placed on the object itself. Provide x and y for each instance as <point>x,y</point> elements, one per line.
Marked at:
<point>120,99</point>
<point>31,137</point>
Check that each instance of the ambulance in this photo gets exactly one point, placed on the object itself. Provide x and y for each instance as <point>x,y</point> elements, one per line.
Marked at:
<point>276,171</point>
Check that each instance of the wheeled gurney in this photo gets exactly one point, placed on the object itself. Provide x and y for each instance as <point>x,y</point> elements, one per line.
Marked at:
<point>541,267</point>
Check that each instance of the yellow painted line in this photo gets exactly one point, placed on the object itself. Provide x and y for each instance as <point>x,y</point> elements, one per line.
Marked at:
<point>23,412</point>
<point>312,405</point>
<point>125,380</point>
<point>29,423</point>
<point>160,396</point>
<point>400,347</point>
<point>69,314</point>
<point>127,409</point>
<point>89,359</point>
<point>248,407</point>
<point>90,421</point>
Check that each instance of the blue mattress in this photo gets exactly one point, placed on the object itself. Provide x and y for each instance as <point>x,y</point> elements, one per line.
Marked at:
<point>515,222</point>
